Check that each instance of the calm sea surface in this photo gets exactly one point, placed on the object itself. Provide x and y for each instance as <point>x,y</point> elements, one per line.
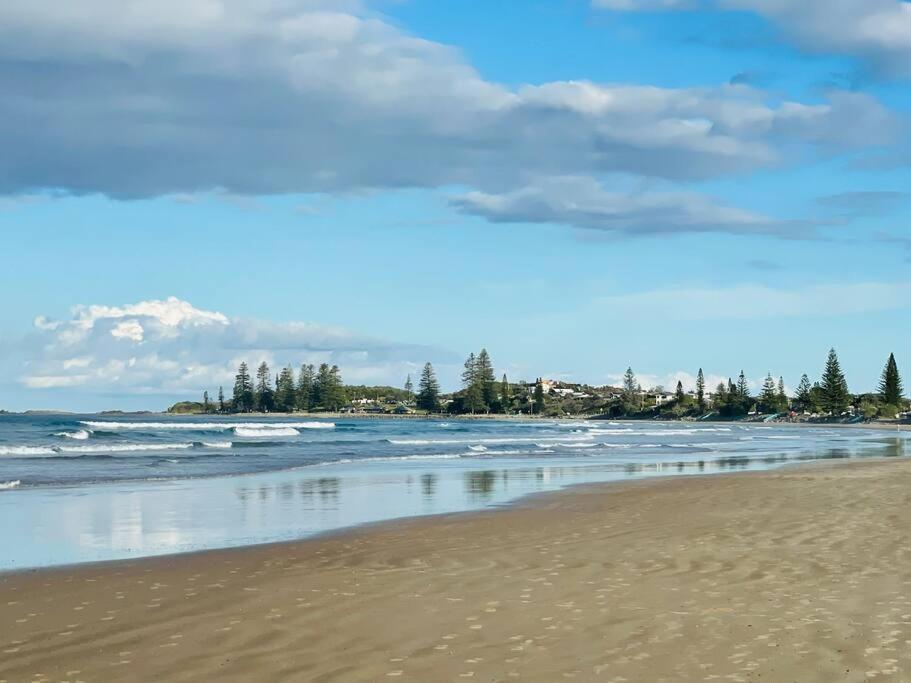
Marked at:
<point>85,488</point>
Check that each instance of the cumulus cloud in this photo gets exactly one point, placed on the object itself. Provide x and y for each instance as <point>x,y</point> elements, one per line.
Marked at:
<point>876,30</point>
<point>150,97</point>
<point>171,347</point>
<point>584,203</point>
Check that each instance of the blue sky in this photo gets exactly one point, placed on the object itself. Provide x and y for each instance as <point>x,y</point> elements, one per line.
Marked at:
<point>577,186</point>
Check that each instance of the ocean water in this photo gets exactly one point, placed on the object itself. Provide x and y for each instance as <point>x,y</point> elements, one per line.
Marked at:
<point>87,488</point>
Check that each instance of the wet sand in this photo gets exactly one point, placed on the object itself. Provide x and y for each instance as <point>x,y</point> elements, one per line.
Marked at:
<point>800,574</point>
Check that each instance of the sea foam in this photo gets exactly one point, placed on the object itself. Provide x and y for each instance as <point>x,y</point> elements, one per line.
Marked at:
<point>26,450</point>
<point>123,448</point>
<point>257,432</point>
<point>205,426</point>
<point>510,439</point>
<point>79,434</point>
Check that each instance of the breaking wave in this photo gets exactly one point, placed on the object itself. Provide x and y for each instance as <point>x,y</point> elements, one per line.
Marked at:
<point>510,439</point>
<point>5,485</point>
<point>256,432</point>
<point>51,451</point>
<point>206,426</point>
<point>124,448</point>
<point>79,434</point>
<point>27,450</point>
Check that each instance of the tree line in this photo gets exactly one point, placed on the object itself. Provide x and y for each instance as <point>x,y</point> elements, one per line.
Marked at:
<point>829,395</point>
<point>320,388</point>
<point>312,388</point>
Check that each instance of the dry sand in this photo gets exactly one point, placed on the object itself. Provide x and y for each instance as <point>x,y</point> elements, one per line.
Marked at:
<point>794,575</point>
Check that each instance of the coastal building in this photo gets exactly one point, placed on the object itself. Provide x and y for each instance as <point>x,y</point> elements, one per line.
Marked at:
<point>660,398</point>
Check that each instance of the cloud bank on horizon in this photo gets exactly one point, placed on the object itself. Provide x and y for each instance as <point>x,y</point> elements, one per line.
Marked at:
<point>171,348</point>
<point>149,98</point>
<point>159,351</point>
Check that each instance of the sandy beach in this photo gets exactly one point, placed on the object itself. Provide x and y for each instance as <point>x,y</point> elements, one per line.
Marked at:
<point>800,574</point>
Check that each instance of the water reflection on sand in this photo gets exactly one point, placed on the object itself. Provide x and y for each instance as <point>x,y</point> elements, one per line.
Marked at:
<point>129,519</point>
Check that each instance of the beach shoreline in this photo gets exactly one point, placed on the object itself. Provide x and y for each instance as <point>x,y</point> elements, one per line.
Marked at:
<point>122,519</point>
<point>732,564</point>
<point>887,425</point>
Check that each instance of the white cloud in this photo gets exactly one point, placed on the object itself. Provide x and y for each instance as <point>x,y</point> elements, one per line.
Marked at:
<point>876,30</point>
<point>584,203</point>
<point>145,97</point>
<point>171,347</point>
<point>745,302</point>
<point>130,329</point>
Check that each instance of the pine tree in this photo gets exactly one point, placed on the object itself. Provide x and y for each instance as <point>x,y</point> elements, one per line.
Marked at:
<point>890,386</point>
<point>337,396</point>
<point>743,389</point>
<point>834,386</point>
<point>721,395</point>
<point>243,390</point>
<point>700,389</point>
<point>304,398</point>
<point>285,394</point>
<point>409,387</point>
<point>486,379</point>
<point>265,396</point>
<point>782,394</point>
<point>804,399</point>
<point>538,406</point>
<point>321,386</point>
<point>632,400</point>
<point>505,394</point>
<point>474,392</point>
<point>205,402</point>
<point>629,383</point>
<point>768,399</point>
<point>469,373</point>
<point>428,390</point>
<point>678,394</point>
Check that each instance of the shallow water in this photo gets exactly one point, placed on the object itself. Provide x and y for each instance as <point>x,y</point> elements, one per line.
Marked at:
<point>97,488</point>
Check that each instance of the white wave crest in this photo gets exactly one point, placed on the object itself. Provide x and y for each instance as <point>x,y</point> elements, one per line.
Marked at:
<point>27,450</point>
<point>124,448</point>
<point>218,444</point>
<point>4,485</point>
<point>205,426</point>
<point>392,458</point>
<point>255,432</point>
<point>511,439</point>
<point>655,432</point>
<point>478,449</point>
<point>79,434</point>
